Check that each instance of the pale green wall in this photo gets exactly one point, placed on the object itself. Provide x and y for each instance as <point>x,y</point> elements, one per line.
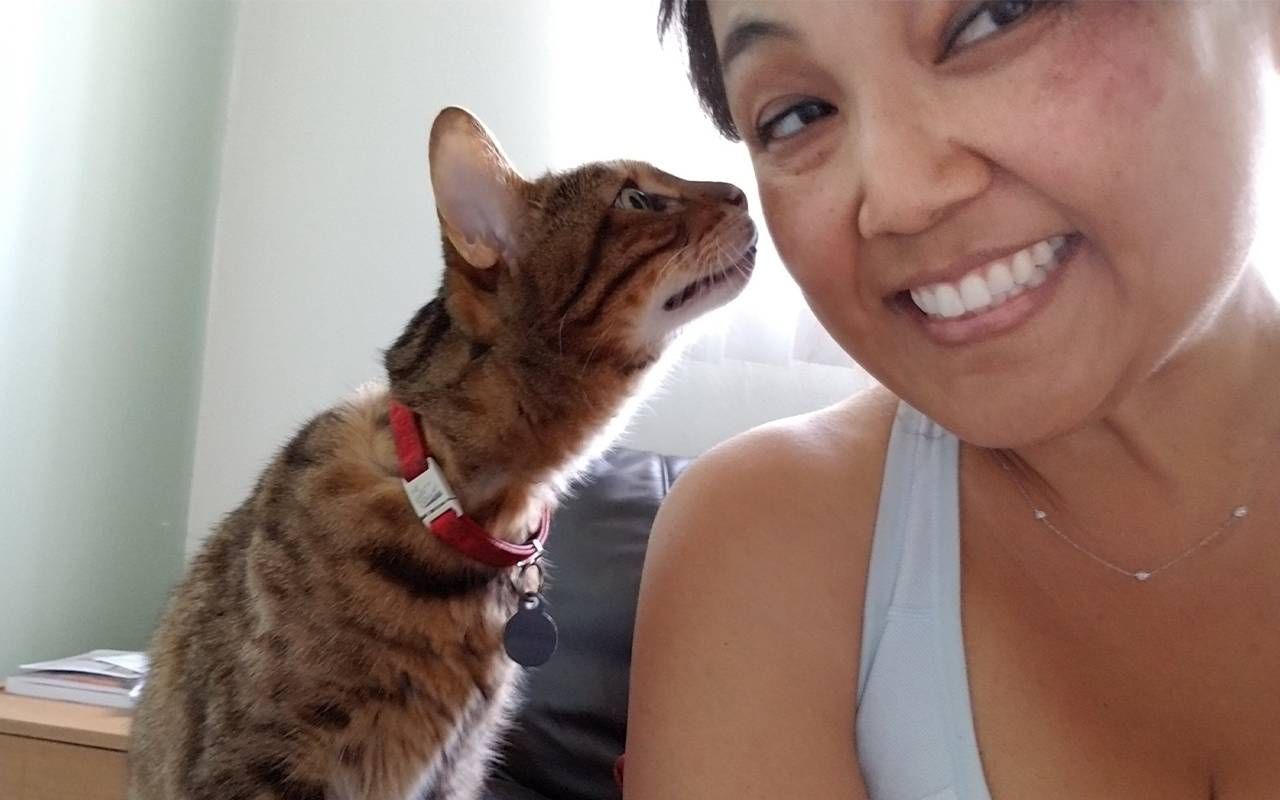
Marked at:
<point>111,118</point>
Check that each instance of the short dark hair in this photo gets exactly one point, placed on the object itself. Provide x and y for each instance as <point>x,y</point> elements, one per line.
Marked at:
<point>694,20</point>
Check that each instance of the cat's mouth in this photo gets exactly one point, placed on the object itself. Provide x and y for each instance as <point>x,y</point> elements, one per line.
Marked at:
<point>738,272</point>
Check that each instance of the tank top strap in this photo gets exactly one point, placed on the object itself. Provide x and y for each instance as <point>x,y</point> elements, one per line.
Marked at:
<point>918,509</point>
<point>916,739</point>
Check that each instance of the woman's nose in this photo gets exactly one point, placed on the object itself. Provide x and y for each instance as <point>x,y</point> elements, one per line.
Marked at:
<point>913,169</point>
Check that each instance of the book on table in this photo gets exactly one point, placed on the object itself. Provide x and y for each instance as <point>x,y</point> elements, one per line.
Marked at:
<point>100,677</point>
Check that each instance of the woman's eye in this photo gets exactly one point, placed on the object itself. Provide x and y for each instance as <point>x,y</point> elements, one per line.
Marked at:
<point>989,18</point>
<point>634,199</point>
<point>793,120</point>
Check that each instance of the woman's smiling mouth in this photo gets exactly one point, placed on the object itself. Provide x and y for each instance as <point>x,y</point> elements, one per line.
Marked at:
<point>992,297</point>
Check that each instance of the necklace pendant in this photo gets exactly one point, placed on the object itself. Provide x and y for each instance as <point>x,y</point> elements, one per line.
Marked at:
<point>1038,514</point>
<point>1240,512</point>
<point>1142,576</point>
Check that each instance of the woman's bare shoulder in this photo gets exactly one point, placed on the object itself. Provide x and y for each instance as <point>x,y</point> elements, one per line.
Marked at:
<point>837,451</point>
<point>750,612</point>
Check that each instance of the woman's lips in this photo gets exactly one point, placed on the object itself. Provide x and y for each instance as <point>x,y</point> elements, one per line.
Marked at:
<point>1009,314</point>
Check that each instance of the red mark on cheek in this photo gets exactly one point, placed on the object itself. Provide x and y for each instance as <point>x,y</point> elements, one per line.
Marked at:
<point>1109,65</point>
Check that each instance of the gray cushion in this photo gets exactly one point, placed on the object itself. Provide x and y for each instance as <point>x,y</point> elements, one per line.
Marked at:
<point>572,726</point>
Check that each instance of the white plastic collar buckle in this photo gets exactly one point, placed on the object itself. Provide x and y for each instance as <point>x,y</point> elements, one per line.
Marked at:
<point>431,494</point>
<point>534,560</point>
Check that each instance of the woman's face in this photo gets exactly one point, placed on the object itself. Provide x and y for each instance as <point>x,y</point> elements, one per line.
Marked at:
<point>930,146</point>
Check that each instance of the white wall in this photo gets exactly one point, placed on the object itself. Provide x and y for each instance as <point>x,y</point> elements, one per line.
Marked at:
<point>110,118</point>
<point>326,235</point>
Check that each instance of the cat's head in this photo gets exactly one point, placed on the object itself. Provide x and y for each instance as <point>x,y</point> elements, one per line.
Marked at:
<point>603,262</point>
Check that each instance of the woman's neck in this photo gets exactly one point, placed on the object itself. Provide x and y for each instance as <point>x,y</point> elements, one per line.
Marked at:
<point>1185,445</point>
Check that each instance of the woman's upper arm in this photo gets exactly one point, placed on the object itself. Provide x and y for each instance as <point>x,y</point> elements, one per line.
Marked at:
<point>745,664</point>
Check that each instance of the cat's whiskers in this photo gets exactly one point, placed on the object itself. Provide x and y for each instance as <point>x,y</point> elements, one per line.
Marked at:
<point>719,259</point>
<point>743,225</point>
<point>586,364</point>
<point>672,261</point>
<point>737,266</point>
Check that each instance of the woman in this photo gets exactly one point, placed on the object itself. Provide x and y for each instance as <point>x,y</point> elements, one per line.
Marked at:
<point>1035,224</point>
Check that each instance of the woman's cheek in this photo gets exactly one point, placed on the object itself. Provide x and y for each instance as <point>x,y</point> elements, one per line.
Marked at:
<point>1103,86</point>
<point>811,226</point>
<point>1106,57</point>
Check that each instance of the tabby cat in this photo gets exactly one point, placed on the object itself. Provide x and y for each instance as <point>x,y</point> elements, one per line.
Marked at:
<point>325,643</point>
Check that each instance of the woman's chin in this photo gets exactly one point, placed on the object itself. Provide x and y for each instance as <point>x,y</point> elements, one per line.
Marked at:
<point>1010,420</point>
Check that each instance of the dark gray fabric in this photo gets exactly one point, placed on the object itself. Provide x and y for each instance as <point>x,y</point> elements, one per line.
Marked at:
<point>572,726</point>
<point>500,788</point>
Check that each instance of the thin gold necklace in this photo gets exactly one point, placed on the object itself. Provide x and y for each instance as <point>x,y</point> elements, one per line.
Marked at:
<point>1141,575</point>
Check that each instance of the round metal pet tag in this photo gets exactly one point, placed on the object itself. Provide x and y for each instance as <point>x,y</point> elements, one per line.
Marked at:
<point>531,636</point>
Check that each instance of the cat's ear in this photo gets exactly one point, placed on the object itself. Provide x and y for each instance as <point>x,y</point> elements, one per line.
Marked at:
<point>478,193</point>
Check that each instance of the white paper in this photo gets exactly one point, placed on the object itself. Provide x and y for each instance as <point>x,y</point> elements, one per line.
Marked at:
<point>137,662</point>
<point>112,663</point>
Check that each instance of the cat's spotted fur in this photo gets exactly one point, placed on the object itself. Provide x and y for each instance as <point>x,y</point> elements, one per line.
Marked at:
<point>323,645</point>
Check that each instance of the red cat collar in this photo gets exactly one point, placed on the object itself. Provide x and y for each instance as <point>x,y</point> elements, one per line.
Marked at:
<point>438,508</point>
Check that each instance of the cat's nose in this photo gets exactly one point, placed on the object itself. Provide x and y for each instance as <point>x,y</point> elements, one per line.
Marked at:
<point>736,197</point>
<point>728,193</point>
<point>722,193</point>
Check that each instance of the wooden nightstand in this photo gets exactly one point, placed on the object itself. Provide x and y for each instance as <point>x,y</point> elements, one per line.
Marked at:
<point>61,751</point>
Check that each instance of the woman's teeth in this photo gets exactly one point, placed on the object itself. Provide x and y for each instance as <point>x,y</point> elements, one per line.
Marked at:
<point>991,284</point>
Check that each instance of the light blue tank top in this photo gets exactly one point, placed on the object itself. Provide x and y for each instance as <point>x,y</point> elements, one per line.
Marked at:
<point>915,730</point>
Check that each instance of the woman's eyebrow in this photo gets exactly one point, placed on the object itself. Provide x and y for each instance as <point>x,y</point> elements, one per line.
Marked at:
<point>747,32</point>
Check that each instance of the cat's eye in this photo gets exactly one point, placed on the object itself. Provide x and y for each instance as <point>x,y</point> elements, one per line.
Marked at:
<point>792,120</point>
<point>988,18</point>
<point>636,200</point>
